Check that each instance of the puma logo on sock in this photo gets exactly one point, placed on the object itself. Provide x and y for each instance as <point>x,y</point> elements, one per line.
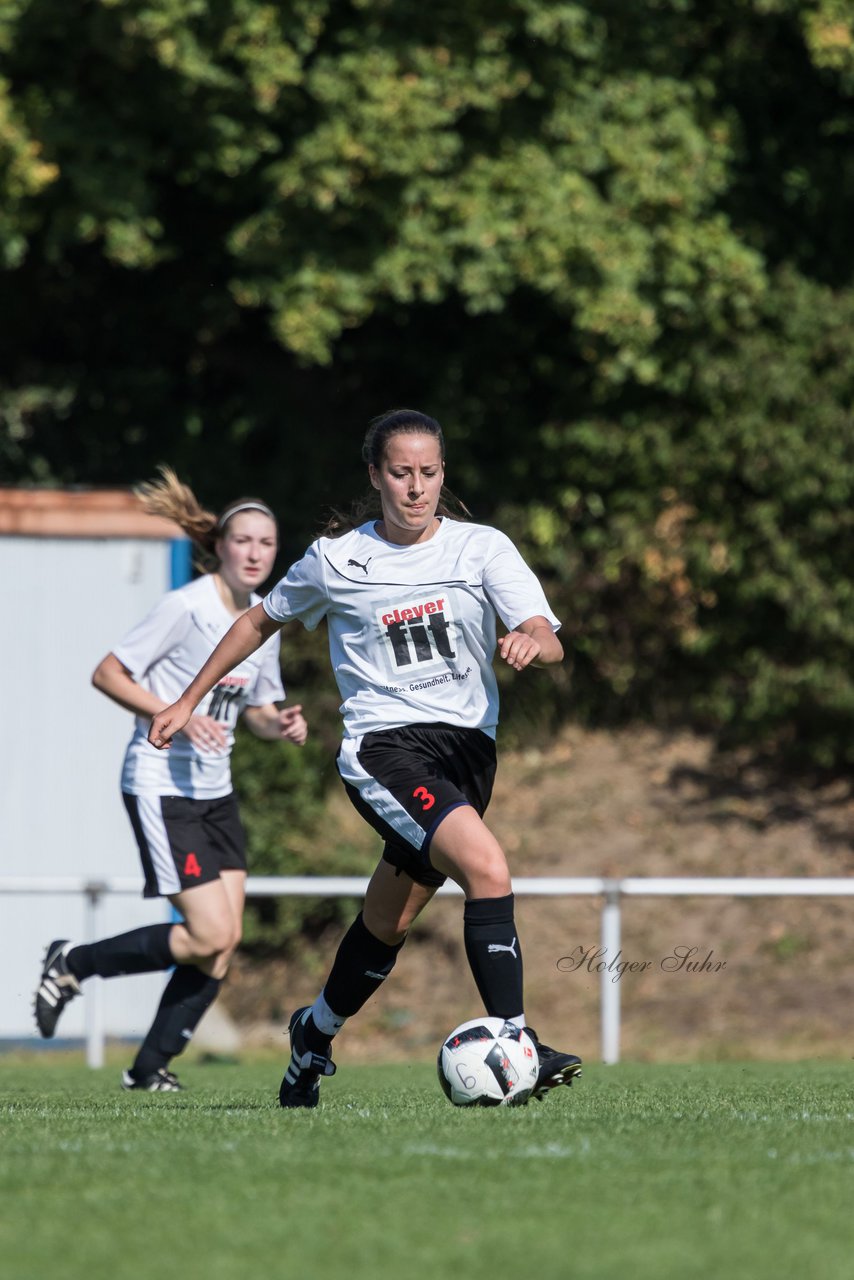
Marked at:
<point>498,946</point>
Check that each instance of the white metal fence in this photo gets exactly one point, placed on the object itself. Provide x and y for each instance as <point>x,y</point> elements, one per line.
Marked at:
<point>611,891</point>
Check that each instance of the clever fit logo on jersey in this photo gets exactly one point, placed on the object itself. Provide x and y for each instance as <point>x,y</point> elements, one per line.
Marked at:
<point>418,635</point>
<point>224,699</point>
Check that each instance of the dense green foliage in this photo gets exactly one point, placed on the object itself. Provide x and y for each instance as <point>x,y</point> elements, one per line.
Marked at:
<point>608,245</point>
<point>743,1171</point>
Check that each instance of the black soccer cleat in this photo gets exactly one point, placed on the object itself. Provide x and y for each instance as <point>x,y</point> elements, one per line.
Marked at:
<point>301,1084</point>
<point>555,1068</point>
<point>58,985</point>
<point>160,1081</point>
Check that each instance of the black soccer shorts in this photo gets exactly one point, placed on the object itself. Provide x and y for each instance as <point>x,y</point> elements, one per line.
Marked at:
<point>185,842</point>
<point>404,781</point>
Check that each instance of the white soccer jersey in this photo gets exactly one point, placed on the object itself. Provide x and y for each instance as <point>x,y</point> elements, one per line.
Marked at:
<point>412,629</point>
<point>163,653</point>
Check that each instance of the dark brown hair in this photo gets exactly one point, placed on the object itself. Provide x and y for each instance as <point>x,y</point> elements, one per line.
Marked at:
<point>393,423</point>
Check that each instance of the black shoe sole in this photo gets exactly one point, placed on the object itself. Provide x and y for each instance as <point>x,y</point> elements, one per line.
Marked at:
<point>290,1096</point>
<point>52,1013</point>
<point>295,1101</point>
<point>565,1077</point>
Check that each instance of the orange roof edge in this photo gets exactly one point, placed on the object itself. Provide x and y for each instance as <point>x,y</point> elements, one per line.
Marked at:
<point>79,513</point>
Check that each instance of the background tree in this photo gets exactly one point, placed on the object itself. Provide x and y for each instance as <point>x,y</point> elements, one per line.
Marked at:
<point>606,245</point>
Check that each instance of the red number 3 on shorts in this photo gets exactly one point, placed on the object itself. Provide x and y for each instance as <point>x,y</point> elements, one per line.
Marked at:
<point>427,800</point>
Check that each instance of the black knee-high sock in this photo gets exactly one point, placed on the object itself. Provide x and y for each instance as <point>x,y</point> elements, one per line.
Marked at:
<point>362,964</point>
<point>189,993</point>
<point>494,954</point>
<point>139,951</point>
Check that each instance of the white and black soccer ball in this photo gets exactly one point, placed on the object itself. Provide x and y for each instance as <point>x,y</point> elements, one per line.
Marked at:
<point>488,1063</point>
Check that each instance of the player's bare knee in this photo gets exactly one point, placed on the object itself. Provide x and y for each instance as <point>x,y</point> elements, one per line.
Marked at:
<point>228,939</point>
<point>228,952</point>
<point>217,938</point>
<point>204,947</point>
<point>488,882</point>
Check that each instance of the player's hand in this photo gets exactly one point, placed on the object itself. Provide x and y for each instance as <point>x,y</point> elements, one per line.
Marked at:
<point>518,650</point>
<point>166,724</point>
<point>205,733</point>
<point>293,726</point>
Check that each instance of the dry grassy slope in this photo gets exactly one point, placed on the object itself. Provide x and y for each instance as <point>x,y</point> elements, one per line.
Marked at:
<point>629,803</point>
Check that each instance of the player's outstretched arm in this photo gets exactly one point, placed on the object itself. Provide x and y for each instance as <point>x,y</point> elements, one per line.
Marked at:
<point>246,635</point>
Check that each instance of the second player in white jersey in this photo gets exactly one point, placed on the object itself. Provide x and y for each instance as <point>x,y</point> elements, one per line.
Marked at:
<point>182,808</point>
<point>162,653</point>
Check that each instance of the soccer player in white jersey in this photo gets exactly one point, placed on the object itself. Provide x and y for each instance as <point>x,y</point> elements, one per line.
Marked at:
<point>182,807</point>
<point>411,599</point>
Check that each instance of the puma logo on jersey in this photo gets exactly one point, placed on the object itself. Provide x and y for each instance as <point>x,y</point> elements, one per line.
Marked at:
<point>354,564</point>
<point>498,946</point>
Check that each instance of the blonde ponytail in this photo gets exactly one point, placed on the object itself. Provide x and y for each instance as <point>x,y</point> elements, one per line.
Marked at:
<point>176,501</point>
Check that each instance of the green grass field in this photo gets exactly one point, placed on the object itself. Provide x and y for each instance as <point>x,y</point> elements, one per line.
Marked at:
<point>640,1172</point>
